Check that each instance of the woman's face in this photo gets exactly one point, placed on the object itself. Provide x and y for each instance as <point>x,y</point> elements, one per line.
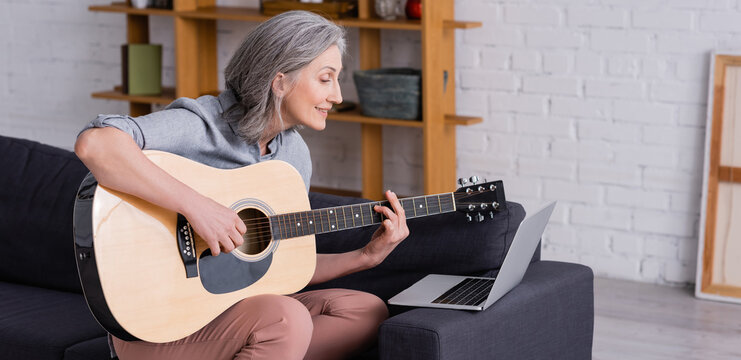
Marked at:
<point>314,92</point>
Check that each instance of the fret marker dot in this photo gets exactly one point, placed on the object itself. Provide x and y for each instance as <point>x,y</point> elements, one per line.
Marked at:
<point>298,224</point>
<point>330,211</point>
<point>420,206</point>
<point>310,222</point>
<point>356,215</point>
<point>332,226</point>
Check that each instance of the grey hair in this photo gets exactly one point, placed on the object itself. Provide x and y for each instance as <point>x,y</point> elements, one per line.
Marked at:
<point>284,44</point>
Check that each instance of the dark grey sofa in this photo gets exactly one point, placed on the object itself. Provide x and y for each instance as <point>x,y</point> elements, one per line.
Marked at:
<point>43,314</point>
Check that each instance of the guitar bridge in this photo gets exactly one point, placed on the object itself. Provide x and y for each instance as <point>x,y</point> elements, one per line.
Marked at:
<point>186,245</point>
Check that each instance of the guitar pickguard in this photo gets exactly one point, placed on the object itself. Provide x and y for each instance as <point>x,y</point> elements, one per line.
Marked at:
<point>226,273</point>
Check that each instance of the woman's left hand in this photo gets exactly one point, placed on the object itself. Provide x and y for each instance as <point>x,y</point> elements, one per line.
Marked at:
<point>392,232</point>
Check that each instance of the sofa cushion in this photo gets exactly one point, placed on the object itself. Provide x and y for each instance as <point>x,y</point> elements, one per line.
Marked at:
<point>36,203</point>
<point>95,349</point>
<point>40,324</point>
<point>446,244</point>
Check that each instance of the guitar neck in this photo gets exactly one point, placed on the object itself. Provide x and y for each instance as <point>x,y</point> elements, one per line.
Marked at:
<point>286,226</point>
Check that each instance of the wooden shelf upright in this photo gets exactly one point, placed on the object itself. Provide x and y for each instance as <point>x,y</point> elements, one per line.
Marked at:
<point>196,74</point>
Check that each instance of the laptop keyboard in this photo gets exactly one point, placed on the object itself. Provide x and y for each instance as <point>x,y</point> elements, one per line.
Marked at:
<point>470,291</point>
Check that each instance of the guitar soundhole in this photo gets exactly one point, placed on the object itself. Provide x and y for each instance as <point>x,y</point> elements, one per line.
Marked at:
<point>258,235</point>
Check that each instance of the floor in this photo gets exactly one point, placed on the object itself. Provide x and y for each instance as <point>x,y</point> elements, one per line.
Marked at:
<point>643,321</point>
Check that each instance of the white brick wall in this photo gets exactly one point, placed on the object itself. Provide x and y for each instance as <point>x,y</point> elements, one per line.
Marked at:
<point>609,119</point>
<point>598,105</point>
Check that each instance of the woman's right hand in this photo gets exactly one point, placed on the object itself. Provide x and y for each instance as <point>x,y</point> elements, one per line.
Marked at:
<point>219,226</point>
<point>117,162</point>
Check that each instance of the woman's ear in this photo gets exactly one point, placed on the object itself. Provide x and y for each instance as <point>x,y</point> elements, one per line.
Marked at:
<point>280,85</point>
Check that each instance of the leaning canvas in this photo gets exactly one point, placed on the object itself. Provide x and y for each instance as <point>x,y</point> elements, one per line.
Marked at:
<point>719,250</point>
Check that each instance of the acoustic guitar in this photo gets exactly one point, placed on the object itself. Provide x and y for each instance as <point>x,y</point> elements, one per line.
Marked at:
<point>147,276</point>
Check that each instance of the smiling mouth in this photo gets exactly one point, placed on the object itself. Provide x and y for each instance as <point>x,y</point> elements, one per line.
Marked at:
<point>322,110</point>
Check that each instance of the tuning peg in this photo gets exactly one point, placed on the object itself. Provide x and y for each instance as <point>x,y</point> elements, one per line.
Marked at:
<point>479,217</point>
<point>462,181</point>
<point>491,214</point>
<point>483,206</point>
<point>495,205</point>
<point>474,179</point>
<point>471,207</point>
<point>480,188</point>
<point>468,216</point>
<point>492,187</point>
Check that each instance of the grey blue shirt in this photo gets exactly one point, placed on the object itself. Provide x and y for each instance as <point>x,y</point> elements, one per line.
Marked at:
<point>198,130</point>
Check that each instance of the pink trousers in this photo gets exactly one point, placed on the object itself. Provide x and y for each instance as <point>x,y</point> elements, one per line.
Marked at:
<point>322,324</point>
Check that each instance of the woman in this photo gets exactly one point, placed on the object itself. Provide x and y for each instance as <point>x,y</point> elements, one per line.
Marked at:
<point>283,76</point>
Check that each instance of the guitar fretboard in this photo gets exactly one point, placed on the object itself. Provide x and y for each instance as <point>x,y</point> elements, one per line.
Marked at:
<point>286,226</point>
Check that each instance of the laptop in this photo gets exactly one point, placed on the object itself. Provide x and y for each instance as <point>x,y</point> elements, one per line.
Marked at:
<point>478,293</point>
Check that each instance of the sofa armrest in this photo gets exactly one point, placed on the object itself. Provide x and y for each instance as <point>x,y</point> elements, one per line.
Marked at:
<point>549,315</point>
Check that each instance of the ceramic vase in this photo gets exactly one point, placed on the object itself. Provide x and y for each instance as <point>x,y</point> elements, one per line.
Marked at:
<point>387,9</point>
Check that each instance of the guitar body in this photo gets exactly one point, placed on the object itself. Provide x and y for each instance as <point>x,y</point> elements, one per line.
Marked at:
<point>132,267</point>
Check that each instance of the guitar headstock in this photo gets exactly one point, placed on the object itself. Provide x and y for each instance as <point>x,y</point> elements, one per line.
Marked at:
<point>479,200</point>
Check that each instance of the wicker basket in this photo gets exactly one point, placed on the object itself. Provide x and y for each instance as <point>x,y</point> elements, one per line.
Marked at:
<point>390,93</point>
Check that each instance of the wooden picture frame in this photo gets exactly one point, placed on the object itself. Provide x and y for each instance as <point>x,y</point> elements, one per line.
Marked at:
<point>719,250</point>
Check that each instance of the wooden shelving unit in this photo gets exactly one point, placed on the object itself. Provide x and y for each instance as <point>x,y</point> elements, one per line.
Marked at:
<point>196,75</point>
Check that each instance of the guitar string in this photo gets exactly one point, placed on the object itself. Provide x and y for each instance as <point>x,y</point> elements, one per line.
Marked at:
<point>444,201</point>
<point>311,215</point>
<point>316,215</point>
<point>262,225</point>
<point>263,236</point>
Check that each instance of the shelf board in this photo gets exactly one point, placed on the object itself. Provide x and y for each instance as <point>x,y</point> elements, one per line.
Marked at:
<point>225,13</point>
<point>462,120</point>
<point>453,24</point>
<point>357,117</point>
<point>375,23</point>
<point>252,14</point>
<point>167,96</point>
<point>121,7</point>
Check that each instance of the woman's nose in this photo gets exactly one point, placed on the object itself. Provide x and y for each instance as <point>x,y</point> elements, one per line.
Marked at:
<point>335,96</point>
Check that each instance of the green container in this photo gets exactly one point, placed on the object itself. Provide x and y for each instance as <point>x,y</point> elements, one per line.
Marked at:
<point>394,93</point>
<point>142,69</point>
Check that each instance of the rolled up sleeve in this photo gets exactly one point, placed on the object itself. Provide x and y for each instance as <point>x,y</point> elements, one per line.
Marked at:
<point>170,129</point>
<point>124,123</point>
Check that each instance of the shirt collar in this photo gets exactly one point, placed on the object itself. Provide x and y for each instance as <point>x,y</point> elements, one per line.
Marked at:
<point>227,99</point>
